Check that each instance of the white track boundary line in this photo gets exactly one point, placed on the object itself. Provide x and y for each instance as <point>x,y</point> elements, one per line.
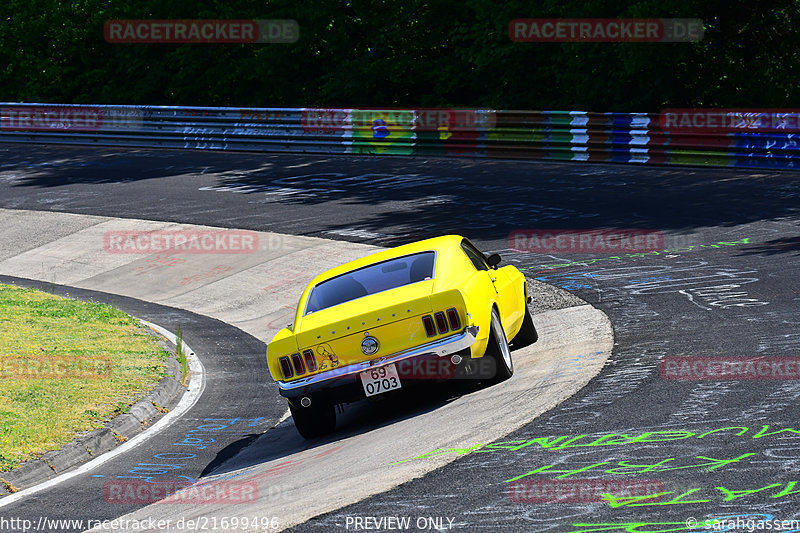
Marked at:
<point>197,383</point>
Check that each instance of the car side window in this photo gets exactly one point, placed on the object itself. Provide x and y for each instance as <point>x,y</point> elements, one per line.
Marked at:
<point>475,256</point>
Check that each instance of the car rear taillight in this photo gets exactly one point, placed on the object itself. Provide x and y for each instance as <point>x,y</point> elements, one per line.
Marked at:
<point>430,330</point>
<point>311,362</point>
<point>286,367</point>
<point>452,317</point>
<point>299,367</point>
<point>441,322</point>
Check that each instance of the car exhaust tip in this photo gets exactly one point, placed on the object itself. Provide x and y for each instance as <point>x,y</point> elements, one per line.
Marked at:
<point>456,359</point>
<point>305,401</point>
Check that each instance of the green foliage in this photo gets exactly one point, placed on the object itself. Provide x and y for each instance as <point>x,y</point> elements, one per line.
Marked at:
<point>403,53</point>
<point>180,355</point>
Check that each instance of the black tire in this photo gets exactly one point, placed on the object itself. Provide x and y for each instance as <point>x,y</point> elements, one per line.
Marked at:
<point>527,334</point>
<point>314,421</point>
<point>499,351</point>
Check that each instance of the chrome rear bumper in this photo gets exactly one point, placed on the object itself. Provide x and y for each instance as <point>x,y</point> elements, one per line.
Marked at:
<point>439,348</point>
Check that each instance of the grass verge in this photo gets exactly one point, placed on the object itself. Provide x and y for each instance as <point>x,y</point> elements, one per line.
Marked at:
<point>66,367</point>
<point>180,356</point>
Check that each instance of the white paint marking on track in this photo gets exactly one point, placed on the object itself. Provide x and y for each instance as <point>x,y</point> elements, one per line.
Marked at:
<point>197,383</point>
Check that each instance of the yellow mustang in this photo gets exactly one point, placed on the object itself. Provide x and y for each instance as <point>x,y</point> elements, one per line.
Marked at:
<point>427,310</point>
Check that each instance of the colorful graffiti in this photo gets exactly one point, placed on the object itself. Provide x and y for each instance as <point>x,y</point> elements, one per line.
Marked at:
<point>611,439</point>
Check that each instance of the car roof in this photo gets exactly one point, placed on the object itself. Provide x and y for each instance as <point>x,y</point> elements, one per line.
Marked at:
<point>434,244</point>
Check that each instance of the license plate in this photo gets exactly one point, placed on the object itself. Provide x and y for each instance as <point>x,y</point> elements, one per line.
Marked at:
<point>380,380</point>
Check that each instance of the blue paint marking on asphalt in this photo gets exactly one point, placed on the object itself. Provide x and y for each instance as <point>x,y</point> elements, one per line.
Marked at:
<point>170,462</point>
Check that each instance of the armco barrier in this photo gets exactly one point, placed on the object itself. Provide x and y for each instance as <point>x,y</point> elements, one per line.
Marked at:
<point>552,135</point>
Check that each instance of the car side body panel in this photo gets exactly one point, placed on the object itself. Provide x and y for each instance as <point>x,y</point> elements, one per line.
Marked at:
<point>511,299</point>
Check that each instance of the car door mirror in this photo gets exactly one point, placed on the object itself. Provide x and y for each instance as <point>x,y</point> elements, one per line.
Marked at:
<point>493,260</point>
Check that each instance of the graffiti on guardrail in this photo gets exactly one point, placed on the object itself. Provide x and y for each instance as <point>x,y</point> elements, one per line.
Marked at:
<point>727,120</point>
<point>552,135</point>
<point>433,119</point>
<point>330,121</point>
<point>69,118</point>
<point>58,118</point>
<point>266,115</point>
<point>376,131</point>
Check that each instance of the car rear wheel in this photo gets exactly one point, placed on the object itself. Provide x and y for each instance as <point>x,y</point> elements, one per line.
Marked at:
<point>316,420</point>
<point>527,333</point>
<point>499,351</point>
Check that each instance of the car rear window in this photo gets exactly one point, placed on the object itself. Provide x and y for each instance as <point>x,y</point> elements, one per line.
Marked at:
<point>371,279</point>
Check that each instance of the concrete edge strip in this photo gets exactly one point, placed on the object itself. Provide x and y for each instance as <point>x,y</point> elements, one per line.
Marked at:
<point>195,389</point>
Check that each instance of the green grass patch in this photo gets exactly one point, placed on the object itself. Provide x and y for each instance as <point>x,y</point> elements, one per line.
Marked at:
<point>180,356</point>
<point>66,367</point>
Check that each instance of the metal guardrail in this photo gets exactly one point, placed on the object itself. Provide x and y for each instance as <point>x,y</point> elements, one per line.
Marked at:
<point>551,135</point>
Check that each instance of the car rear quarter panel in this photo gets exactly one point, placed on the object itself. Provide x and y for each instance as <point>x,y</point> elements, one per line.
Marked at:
<point>511,299</point>
<point>282,344</point>
<point>478,297</point>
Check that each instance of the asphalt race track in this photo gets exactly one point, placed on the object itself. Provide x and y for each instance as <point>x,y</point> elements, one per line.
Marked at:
<point>724,285</point>
<point>276,478</point>
<point>83,496</point>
